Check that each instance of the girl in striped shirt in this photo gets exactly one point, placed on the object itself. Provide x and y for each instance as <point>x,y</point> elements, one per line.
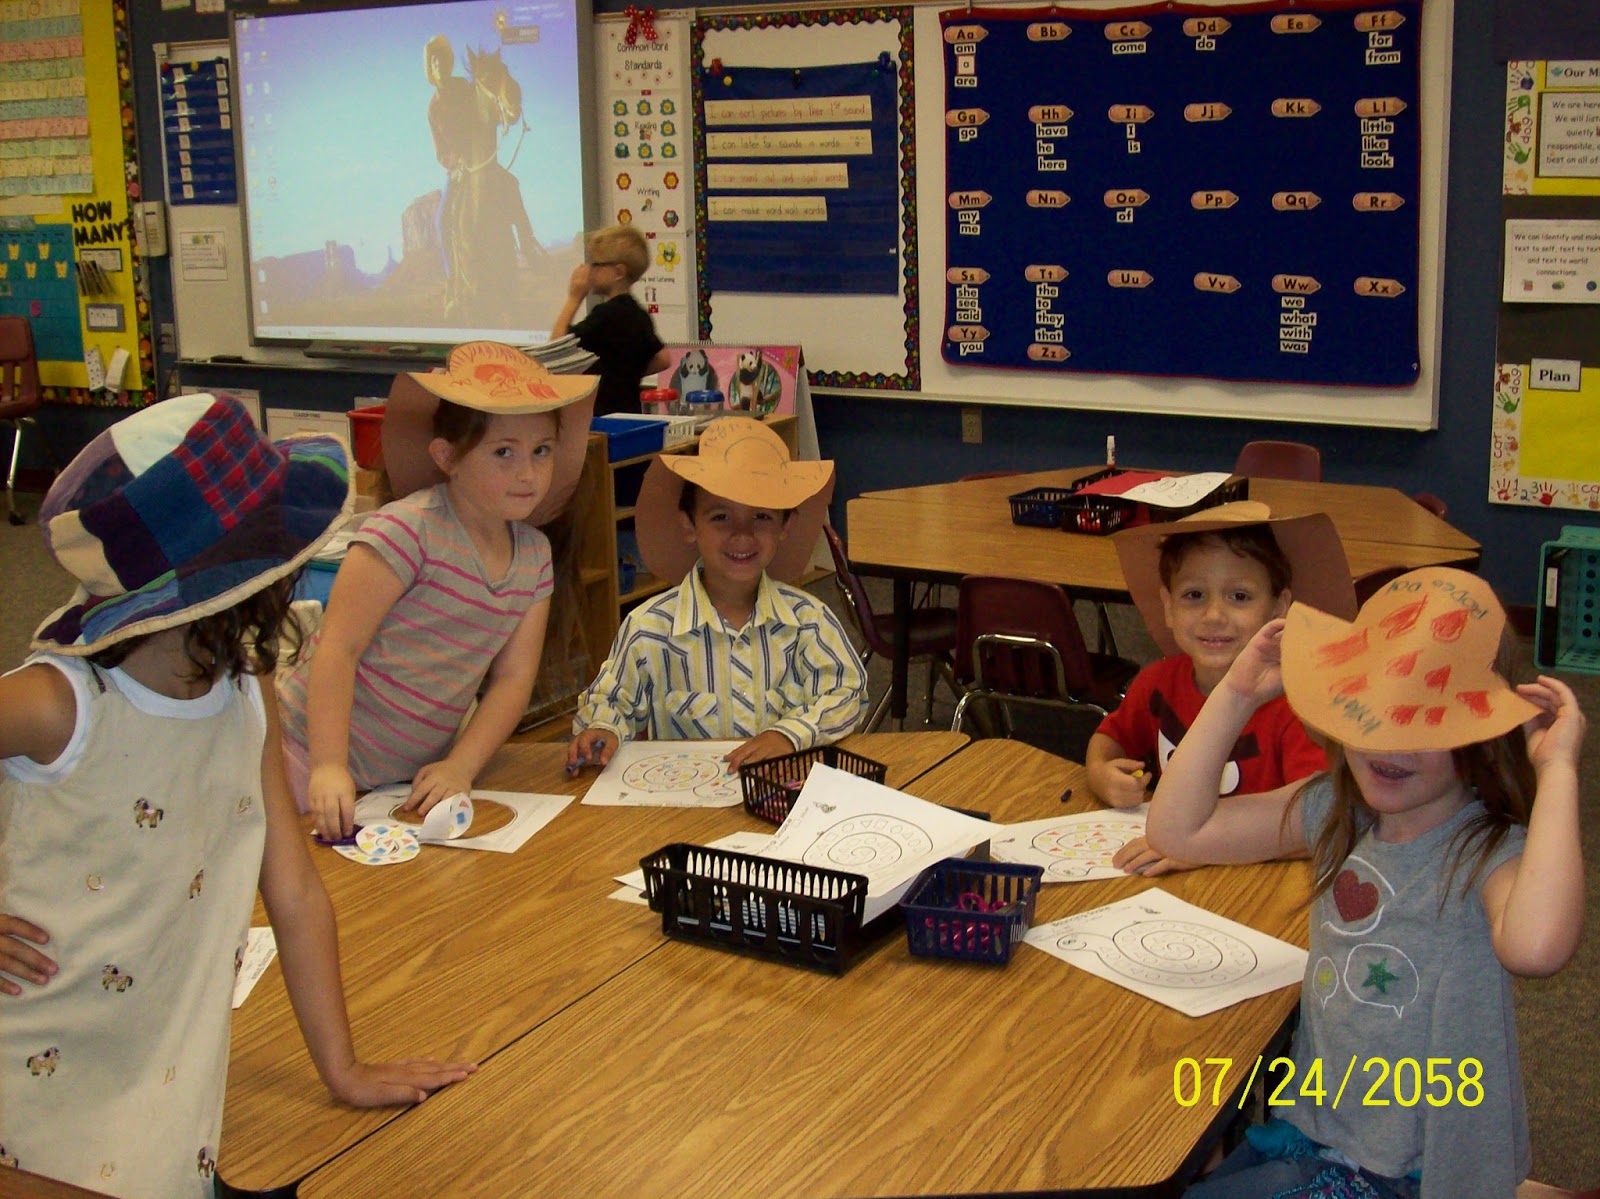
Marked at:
<point>442,599</point>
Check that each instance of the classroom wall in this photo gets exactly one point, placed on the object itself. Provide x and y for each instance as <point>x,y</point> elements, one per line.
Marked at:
<point>903,441</point>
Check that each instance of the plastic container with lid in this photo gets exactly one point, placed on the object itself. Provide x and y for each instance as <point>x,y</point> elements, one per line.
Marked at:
<point>658,401</point>
<point>704,404</point>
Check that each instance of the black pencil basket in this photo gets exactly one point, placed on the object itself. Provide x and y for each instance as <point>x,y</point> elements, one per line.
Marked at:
<point>770,787</point>
<point>971,911</point>
<point>1039,506</point>
<point>760,907</point>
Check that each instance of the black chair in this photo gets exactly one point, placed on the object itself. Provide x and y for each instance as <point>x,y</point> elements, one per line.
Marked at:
<point>933,630</point>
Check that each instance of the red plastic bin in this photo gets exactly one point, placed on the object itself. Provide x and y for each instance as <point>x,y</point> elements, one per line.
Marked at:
<point>366,440</point>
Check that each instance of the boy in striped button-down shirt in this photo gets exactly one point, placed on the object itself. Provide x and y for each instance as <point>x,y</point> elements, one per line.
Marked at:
<point>730,652</point>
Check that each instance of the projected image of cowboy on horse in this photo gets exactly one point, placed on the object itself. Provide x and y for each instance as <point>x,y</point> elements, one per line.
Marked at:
<point>484,230</point>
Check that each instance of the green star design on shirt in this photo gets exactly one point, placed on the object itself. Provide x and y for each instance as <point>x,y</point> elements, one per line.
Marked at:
<point>1378,975</point>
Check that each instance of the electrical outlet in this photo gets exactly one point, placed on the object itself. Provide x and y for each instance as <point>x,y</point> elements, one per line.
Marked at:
<point>972,426</point>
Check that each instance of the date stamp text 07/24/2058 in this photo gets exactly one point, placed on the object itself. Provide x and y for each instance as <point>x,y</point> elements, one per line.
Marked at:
<point>1405,1082</point>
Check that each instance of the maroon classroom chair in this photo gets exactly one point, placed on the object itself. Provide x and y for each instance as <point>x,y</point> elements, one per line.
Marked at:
<point>1280,460</point>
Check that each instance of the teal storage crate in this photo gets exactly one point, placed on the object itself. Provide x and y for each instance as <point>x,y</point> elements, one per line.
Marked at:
<point>1567,633</point>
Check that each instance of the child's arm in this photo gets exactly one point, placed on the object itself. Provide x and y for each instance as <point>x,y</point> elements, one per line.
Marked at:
<point>611,708</point>
<point>363,592</point>
<point>1187,818</point>
<point>40,713</point>
<point>835,686</point>
<point>577,289</point>
<point>1535,902</point>
<point>500,706</point>
<point>659,363</point>
<point>308,944</point>
<point>1119,781</point>
<point>770,744</point>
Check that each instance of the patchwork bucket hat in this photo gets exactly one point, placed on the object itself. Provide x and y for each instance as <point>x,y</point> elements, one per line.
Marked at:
<point>1319,573</point>
<point>1413,671</point>
<point>180,511</point>
<point>742,460</point>
<point>500,380</point>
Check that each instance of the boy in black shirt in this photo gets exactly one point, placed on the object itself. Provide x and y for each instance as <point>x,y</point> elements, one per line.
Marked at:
<point>617,331</point>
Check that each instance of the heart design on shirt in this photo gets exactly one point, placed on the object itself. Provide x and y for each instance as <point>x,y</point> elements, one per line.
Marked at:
<point>1355,899</point>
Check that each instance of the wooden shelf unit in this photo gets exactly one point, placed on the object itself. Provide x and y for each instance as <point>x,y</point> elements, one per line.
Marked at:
<point>597,516</point>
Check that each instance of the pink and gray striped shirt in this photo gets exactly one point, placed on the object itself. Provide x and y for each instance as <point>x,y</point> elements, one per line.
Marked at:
<point>423,668</point>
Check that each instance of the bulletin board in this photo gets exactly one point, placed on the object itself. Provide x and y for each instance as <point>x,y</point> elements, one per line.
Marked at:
<point>69,258</point>
<point>1414,405</point>
<point>1545,444</point>
<point>853,69</point>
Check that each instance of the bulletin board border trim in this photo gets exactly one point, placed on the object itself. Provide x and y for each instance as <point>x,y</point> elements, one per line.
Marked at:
<point>911,379</point>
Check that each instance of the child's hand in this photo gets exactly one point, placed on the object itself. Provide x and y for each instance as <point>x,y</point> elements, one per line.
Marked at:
<point>1256,673</point>
<point>578,284</point>
<point>770,744</point>
<point>384,1084</point>
<point>592,747</point>
<point>1136,857</point>
<point>1556,736</point>
<point>1121,782</point>
<point>22,960</point>
<point>331,796</point>
<point>434,782</point>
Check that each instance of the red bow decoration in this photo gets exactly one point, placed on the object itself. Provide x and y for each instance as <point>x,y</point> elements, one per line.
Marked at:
<point>640,20</point>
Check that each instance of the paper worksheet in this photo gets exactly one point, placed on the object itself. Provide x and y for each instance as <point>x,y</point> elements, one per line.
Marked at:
<point>841,821</point>
<point>668,774</point>
<point>1074,847</point>
<point>529,814</point>
<point>261,946</point>
<point>1173,952</point>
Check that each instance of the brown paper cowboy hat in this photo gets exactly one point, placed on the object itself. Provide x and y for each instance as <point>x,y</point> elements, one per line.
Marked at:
<point>744,461</point>
<point>1319,573</point>
<point>493,378</point>
<point>1414,671</point>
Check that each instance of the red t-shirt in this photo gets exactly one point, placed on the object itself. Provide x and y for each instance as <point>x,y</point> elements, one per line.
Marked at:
<point>1161,704</point>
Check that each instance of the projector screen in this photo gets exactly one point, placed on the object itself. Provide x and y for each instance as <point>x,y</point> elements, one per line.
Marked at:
<point>413,173</point>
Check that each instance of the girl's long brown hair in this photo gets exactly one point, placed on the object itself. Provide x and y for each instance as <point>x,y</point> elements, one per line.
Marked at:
<point>245,639</point>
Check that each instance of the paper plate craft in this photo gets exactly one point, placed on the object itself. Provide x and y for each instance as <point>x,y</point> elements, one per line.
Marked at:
<point>1414,671</point>
<point>497,821</point>
<point>466,817</point>
<point>668,774</point>
<point>382,845</point>
<point>1073,848</point>
<point>1178,954</point>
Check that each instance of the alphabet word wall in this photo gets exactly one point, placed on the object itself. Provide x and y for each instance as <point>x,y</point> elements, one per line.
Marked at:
<point>1223,193</point>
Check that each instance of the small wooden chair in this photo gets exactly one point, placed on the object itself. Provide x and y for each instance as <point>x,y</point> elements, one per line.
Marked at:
<point>20,397</point>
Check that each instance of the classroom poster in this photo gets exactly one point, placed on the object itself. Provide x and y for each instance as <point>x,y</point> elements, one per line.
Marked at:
<point>69,257</point>
<point>1228,194</point>
<point>647,176</point>
<point>1544,440</point>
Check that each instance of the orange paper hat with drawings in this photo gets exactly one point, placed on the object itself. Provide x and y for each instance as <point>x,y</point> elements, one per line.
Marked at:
<point>1414,672</point>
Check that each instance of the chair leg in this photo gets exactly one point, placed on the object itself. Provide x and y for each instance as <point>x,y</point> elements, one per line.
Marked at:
<point>879,711</point>
<point>1108,639</point>
<point>11,476</point>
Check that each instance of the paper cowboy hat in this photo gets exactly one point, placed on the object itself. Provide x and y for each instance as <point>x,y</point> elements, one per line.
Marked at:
<point>498,379</point>
<point>180,511</point>
<point>1414,670</point>
<point>744,461</point>
<point>1319,573</point>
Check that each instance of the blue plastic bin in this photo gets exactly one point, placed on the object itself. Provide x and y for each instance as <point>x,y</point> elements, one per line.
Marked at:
<point>630,436</point>
<point>1567,633</point>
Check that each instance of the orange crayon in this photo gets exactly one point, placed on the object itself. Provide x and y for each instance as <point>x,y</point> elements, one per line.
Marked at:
<point>1221,284</point>
<point>1049,31</point>
<point>971,34</point>
<point>1376,201</point>
<point>1295,201</point>
<point>1210,110</point>
<point>1380,106</point>
<point>965,117</point>
<point>1206,26</point>
<point>1040,198</point>
<point>1386,289</point>
<point>1125,114</point>
<point>1286,106</point>
<point>1043,353</point>
<point>962,333</point>
<point>1373,22</point>
<point>1040,273</point>
<point>1126,31</point>
<point>972,199</point>
<point>1294,22</point>
<point>966,274</point>
<point>1295,285</point>
<point>1126,197</point>
<point>1216,199</point>
<point>1049,114</point>
<point>1130,278</point>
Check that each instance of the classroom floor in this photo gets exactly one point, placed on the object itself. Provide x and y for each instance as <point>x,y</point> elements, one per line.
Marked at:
<point>1556,1017</point>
